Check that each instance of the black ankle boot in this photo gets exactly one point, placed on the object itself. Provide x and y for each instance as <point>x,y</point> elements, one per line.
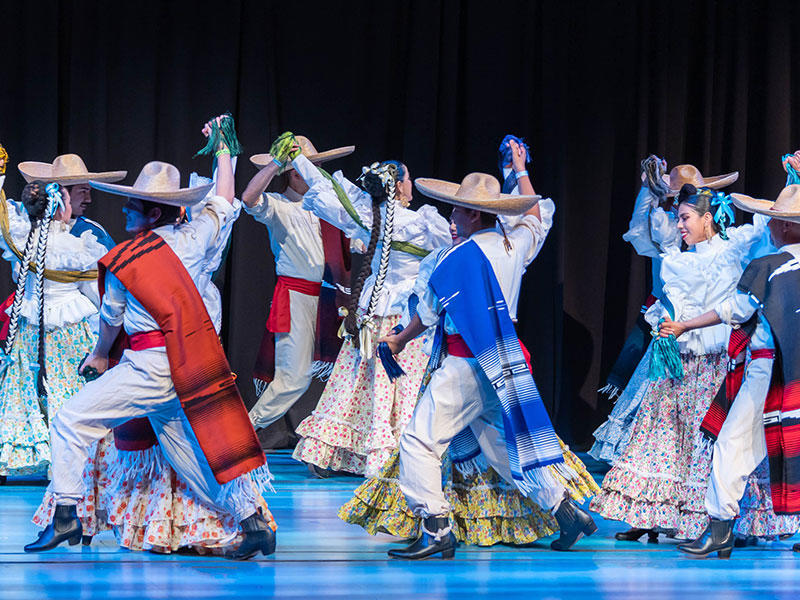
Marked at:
<point>574,523</point>
<point>436,538</point>
<point>258,537</point>
<point>634,533</point>
<point>718,537</point>
<point>65,527</point>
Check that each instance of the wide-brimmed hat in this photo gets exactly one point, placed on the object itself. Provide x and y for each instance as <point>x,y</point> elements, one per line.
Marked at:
<point>158,182</point>
<point>308,150</point>
<point>67,169</point>
<point>681,174</point>
<point>785,208</point>
<point>477,191</point>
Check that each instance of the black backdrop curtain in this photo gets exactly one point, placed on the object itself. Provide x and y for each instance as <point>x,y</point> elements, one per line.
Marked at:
<point>594,87</point>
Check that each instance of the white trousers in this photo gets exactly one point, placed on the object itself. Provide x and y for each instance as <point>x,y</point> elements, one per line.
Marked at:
<point>741,445</point>
<point>459,395</point>
<point>294,354</point>
<point>139,386</point>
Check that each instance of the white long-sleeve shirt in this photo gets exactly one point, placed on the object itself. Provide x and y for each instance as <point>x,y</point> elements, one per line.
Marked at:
<point>199,245</point>
<point>425,228</point>
<point>526,234</point>
<point>295,237</point>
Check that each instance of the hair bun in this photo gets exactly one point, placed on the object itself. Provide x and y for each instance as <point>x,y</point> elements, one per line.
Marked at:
<point>373,185</point>
<point>686,190</point>
<point>34,199</point>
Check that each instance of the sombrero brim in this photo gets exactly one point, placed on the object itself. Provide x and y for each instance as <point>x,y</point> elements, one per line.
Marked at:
<point>763,207</point>
<point>262,160</point>
<point>39,171</point>
<point>181,197</point>
<point>505,204</point>
<point>715,183</point>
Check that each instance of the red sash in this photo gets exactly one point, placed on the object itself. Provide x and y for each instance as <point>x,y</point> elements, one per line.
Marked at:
<point>202,377</point>
<point>456,346</point>
<point>280,313</point>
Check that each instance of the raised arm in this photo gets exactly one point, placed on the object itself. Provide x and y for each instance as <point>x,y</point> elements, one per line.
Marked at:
<point>519,157</point>
<point>258,184</point>
<point>225,180</point>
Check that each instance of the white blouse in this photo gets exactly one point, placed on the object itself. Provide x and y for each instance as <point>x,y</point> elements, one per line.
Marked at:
<point>652,231</point>
<point>425,228</point>
<point>698,280</point>
<point>64,303</point>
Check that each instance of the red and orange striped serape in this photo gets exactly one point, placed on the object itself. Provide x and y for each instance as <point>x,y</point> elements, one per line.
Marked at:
<point>203,380</point>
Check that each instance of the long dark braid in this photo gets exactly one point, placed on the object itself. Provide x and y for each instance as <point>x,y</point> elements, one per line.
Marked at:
<point>380,182</point>
<point>351,320</point>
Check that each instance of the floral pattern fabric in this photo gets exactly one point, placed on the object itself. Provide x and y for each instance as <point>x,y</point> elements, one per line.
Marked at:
<point>91,507</point>
<point>485,509</point>
<point>24,436</point>
<point>660,480</point>
<point>361,414</point>
<point>152,508</point>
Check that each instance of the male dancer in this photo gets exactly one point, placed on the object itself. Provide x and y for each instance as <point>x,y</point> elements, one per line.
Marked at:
<point>312,262</point>
<point>484,383</point>
<point>70,171</point>
<point>761,420</point>
<point>175,372</point>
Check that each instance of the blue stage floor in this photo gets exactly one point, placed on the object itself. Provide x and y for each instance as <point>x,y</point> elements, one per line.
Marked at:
<point>319,556</point>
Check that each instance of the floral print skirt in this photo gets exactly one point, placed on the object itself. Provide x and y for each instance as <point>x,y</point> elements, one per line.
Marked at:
<point>91,507</point>
<point>485,509</point>
<point>361,414</point>
<point>151,508</point>
<point>24,436</point>
<point>660,480</point>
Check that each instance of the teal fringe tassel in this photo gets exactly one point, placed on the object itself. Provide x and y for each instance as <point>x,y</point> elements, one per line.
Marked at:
<point>226,132</point>
<point>792,176</point>
<point>665,357</point>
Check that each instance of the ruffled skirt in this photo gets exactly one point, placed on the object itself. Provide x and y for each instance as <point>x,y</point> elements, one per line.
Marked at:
<point>91,507</point>
<point>152,508</point>
<point>361,414</point>
<point>612,437</point>
<point>485,509</point>
<point>24,436</point>
<point>660,480</point>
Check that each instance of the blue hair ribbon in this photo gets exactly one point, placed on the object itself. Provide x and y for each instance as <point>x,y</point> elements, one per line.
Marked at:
<point>504,158</point>
<point>54,194</point>
<point>724,216</point>
<point>390,365</point>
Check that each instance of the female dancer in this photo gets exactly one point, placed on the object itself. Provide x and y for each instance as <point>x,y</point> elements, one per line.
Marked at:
<point>362,413</point>
<point>659,481</point>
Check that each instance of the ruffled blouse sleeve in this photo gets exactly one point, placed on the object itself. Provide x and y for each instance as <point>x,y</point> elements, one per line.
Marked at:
<point>651,230</point>
<point>19,226</point>
<point>66,252</point>
<point>321,199</point>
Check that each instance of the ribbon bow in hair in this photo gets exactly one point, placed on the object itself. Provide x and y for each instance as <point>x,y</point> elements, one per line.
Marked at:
<point>55,199</point>
<point>724,215</point>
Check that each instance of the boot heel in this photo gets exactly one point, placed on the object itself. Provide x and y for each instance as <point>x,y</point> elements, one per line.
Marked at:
<point>449,553</point>
<point>726,553</point>
<point>590,528</point>
<point>74,540</point>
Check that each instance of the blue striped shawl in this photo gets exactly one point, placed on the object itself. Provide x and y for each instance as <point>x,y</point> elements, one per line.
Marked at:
<point>466,286</point>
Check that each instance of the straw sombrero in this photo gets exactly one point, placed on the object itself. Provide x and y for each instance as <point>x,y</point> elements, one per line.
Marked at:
<point>158,182</point>
<point>681,174</point>
<point>478,191</point>
<point>308,150</point>
<point>785,208</point>
<point>67,169</point>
